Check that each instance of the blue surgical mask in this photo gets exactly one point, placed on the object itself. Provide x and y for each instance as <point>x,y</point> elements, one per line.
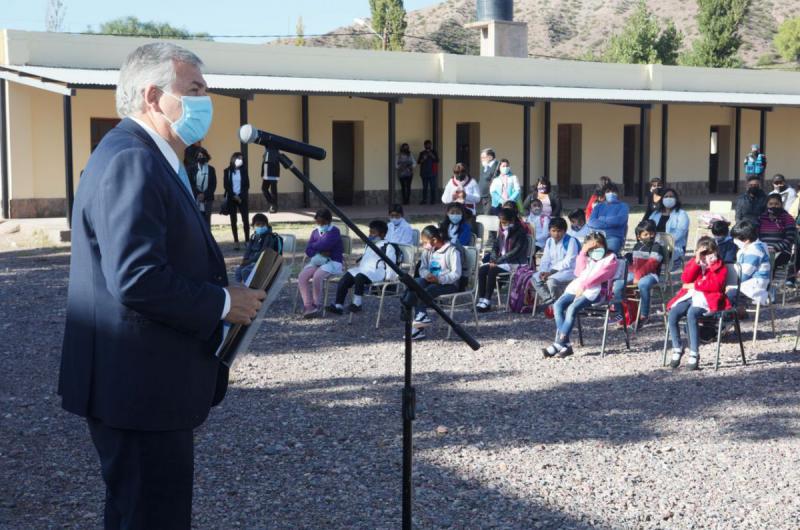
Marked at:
<point>611,197</point>
<point>455,218</point>
<point>397,221</point>
<point>597,253</point>
<point>669,202</point>
<point>576,228</point>
<point>374,238</point>
<point>195,118</point>
<point>261,230</point>
<point>324,228</point>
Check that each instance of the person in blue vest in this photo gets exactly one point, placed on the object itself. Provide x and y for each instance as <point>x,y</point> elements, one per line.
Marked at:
<point>755,163</point>
<point>148,295</point>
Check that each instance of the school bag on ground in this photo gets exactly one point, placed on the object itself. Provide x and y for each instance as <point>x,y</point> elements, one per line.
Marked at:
<point>520,299</point>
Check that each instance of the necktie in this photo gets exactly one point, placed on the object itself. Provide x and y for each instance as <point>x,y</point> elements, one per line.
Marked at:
<point>185,179</point>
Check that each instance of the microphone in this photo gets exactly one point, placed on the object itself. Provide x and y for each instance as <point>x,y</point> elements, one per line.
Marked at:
<point>250,135</point>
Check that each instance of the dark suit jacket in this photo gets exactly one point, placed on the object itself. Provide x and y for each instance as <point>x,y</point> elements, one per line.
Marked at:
<point>227,183</point>
<point>143,322</point>
<point>212,181</point>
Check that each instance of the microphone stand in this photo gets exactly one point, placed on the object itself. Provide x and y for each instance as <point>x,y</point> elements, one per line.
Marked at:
<point>409,402</point>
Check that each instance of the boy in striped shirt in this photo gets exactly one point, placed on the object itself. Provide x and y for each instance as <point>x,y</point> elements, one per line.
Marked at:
<point>753,257</point>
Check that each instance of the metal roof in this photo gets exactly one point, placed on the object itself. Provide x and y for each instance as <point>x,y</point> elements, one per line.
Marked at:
<point>65,80</point>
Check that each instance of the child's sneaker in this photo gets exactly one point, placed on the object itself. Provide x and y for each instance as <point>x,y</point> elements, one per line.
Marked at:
<point>332,308</point>
<point>354,308</point>
<point>422,320</point>
<point>676,358</point>
<point>565,351</point>
<point>550,351</point>
<point>694,361</point>
<point>417,334</point>
<point>616,320</point>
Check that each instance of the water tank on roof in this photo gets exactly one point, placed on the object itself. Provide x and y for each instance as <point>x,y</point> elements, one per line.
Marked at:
<point>495,10</point>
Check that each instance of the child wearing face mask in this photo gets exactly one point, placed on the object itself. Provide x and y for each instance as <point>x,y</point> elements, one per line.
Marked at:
<point>595,267</point>
<point>440,273</point>
<point>753,257</point>
<point>787,193</point>
<point>262,238</point>
<point>577,225</point>
<point>540,222</point>
<point>400,231</point>
<point>504,187</point>
<point>725,245</point>
<point>455,227</point>
<point>462,188</point>
<point>551,204</point>
<point>371,268</point>
<point>509,250</point>
<point>703,290</point>
<point>672,219</point>
<point>325,252</point>
<point>777,229</point>
<point>644,268</point>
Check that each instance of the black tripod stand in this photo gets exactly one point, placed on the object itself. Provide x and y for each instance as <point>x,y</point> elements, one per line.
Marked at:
<point>409,395</point>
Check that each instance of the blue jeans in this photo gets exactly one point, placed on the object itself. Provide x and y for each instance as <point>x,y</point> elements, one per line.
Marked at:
<point>614,243</point>
<point>645,286</point>
<point>676,312</point>
<point>564,311</point>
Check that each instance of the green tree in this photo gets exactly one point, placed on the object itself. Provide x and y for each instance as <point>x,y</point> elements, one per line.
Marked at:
<point>453,37</point>
<point>132,26</point>
<point>389,21</point>
<point>300,30</point>
<point>642,41</point>
<point>787,41</point>
<point>718,22</point>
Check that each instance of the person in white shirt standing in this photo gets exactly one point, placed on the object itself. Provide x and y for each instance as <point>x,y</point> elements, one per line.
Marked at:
<point>237,185</point>
<point>462,188</point>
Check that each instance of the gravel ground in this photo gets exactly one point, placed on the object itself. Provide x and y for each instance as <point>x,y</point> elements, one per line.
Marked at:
<point>309,435</point>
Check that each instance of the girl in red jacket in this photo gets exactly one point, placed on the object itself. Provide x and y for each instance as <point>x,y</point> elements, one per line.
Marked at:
<point>703,291</point>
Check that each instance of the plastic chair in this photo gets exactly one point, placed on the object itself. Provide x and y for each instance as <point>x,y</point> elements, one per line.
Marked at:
<point>381,290</point>
<point>770,303</point>
<point>603,308</point>
<point>289,249</point>
<point>414,237</point>
<point>732,280</point>
<point>470,293</point>
<point>487,224</point>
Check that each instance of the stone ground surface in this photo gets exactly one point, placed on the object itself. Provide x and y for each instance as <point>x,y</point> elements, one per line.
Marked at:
<point>309,435</point>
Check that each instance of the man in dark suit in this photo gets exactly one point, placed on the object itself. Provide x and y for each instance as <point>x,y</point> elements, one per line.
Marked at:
<point>236,182</point>
<point>203,178</point>
<point>147,296</point>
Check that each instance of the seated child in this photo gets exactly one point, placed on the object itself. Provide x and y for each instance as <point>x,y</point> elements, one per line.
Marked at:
<point>440,273</point>
<point>753,257</point>
<point>262,238</point>
<point>540,223</point>
<point>577,225</point>
<point>703,291</point>
<point>644,268</point>
<point>371,268</point>
<point>509,249</point>
<point>455,227</point>
<point>727,248</point>
<point>400,231</point>
<point>325,251</point>
<point>595,266</point>
<point>557,267</point>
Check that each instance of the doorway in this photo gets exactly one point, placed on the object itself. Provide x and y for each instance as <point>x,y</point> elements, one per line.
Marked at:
<point>343,161</point>
<point>468,151</point>
<point>569,159</point>
<point>719,156</point>
<point>98,128</point>
<point>630,159</point>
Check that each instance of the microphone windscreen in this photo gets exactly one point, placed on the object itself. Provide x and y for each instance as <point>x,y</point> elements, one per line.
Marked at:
<point>247,134</point>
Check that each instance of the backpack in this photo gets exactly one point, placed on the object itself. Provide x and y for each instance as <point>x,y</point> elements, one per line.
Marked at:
<point>275,242</point>
<point>398,257</point>
<point>520,299</point>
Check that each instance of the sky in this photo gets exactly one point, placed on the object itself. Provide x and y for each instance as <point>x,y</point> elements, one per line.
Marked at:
<point>226,17</point>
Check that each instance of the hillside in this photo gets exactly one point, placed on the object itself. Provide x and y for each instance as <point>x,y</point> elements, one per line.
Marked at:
<point>570,28</point>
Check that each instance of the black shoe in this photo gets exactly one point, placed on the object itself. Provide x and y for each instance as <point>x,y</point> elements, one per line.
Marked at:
<point>693,363</point>
<point>335,310</point>
<point>674,363</point>
<point>353,308</point>
<point>566,352</point>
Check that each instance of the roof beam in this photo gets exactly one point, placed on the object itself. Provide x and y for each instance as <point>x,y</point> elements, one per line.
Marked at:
<point>36,82</point>
<point>750,107</point>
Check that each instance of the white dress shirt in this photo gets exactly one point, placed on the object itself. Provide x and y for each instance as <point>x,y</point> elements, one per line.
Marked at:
<point>174,162</point>
<point>236,181</point>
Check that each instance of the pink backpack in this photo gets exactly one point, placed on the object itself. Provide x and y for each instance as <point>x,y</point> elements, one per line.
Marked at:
<point>521,298</point>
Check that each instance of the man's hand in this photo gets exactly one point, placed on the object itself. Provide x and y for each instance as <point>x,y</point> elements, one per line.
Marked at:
<point>245,303</point>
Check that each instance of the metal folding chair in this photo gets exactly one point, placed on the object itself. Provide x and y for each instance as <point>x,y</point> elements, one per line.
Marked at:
<point>470,293</point>
<point>732,280</point>
<point>603,309</point>
<point>381,290</point>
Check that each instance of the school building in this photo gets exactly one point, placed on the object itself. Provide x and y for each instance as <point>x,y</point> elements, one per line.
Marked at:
<point>571,121</point>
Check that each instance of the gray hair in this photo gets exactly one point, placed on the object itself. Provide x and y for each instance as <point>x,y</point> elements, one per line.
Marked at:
<point>489,151</point>
<point>151,64</point>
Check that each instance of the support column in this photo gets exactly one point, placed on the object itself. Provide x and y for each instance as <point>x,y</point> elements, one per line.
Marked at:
<point>664,141</point>
<point>6,213</point>
<point>306,160</point>
<point>436,125</point>
<point>69,177</point>
<point>737,148</point>
<point>642,124</point>
<point>243,121</point>
<point>392,141</point>
<point>526,149</point>
<point>547,143</point>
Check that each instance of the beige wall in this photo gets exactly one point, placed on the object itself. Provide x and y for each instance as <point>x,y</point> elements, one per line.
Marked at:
<point>602,138</point>
<point>689,134</point>
<point>783,155</point>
